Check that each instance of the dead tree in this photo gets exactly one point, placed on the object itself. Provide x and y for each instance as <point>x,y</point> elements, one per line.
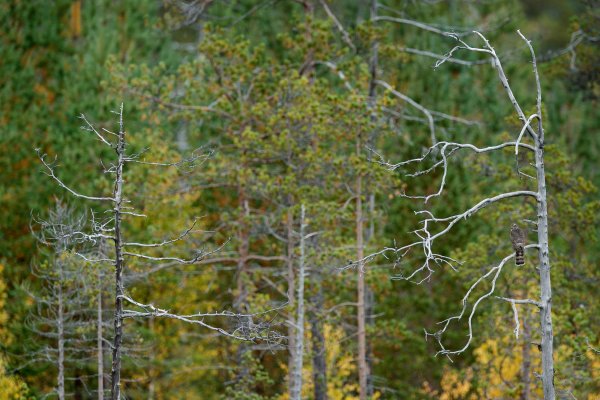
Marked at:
<point>363,185</point>
<point>434,228</point>
<point>64,314</point>
<point>296,390</point>
<point>112,229</point>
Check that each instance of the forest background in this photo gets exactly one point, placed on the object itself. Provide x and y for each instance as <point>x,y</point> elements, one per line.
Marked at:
<point>271,96</point>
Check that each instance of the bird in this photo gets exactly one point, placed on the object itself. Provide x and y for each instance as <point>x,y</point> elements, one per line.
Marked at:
<point>517,237</point>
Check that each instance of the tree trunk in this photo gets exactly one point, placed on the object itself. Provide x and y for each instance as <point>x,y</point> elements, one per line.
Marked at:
<point>318,340</point>
<point>61,339</point>
<point>296,392</point>
<point>369,322</point>
<point>100,354</point>
<point>119,265</point>
<point>373,63</point>
<point>545,286</point>
<point>290,293</point>
<point>151,390</point>
<point>363,370</point>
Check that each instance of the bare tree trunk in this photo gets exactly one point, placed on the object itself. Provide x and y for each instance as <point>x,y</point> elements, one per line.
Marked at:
<point>369,322</point>
<point>151,390</point>
<point>319,361</point>
<point>61,339</point>
<point>544,251</point>
<point>119,265</point>
<point>545,286</point>
<point>100,354</point>
<point>363,369</point>
<point>299,352</point>
<point>290,293</point>
<point>373,63</point>
<point>99,231</point>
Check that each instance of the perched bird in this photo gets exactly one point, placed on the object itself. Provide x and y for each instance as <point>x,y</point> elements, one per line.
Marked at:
<point>517,237</point>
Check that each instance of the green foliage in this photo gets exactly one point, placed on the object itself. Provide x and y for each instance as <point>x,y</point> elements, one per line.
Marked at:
<point>254,378</point>
<point>250,82</point>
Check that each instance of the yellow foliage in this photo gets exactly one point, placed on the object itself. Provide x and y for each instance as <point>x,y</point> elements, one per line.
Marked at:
<point>595,371</point>
<point>3,314</point>
<point>75,22</point>
<point>12,387</point>
<point>341,369</point>
<point>498,365</point>
<point>454,386</point>
<point>501,368</point>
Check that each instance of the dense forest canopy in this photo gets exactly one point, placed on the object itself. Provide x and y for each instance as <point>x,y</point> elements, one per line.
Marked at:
<point>242,199</point>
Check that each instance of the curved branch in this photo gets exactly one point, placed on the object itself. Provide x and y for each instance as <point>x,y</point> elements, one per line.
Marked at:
<point>538,87</point>
<point>414,104</point>
<point>495,273</point>
<point>163,243</point>
<point>200,255</point>
<point>61,184</point>
<point>417,24</point>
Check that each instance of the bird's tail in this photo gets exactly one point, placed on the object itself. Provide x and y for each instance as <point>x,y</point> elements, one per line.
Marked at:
<point>520,257</point>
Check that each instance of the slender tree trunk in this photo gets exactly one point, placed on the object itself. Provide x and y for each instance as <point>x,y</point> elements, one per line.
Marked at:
<point>319,361</point>
<point>295,377</point>
<point>363,368</point>
<point>182,136</point>
<point>100,351</point>
<point>371,230</point>
<point>290,293</point>
<point>297,389</point>
<point>373,63</point>
<point>151,390</point>
<point>545,286</point>
<point>369,322</point>
<point>61,339</point>
<point>119,265</point>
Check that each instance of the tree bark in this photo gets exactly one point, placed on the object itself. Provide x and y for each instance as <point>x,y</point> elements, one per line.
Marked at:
<point>319,361</point>
<point>545,285</point>
<point>61,337</point>
<point>290,293</point>
<point>363,369</point>
<point>100,354</point>
<point>119,265</point>
<point>373,63</point>
<point>296,392</point>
